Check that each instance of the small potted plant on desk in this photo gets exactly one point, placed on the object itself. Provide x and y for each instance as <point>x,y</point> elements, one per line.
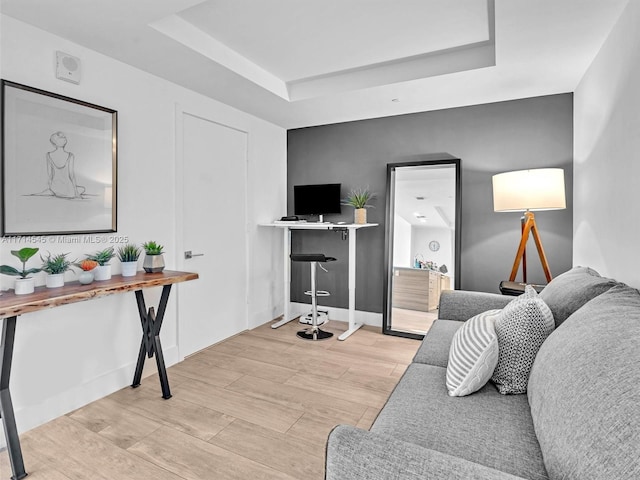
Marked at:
<point>128,255</point>
<point>359,198</point>
<point>24,284</point>
<point>153,260</point>
<point>103,270</point>
<point>55,266</point>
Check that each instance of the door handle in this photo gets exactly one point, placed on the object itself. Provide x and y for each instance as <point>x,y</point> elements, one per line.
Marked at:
<point>188,254</point>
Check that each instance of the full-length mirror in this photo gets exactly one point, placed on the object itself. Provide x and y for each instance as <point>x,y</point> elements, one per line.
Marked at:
<point>422,241</point>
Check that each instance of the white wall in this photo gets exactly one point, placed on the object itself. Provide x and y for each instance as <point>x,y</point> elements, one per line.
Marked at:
<point>402,256</point>
<point>71,355</point>
<point>607,156</point>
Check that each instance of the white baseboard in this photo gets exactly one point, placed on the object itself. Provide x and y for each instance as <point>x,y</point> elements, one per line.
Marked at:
<point>31,416</point>
<point>339,314</point>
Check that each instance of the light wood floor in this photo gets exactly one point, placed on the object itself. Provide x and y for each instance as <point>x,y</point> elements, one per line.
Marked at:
<point>412,320</point>
<point>257,406</point>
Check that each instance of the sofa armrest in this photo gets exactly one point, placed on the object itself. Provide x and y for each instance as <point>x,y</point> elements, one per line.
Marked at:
<point>353,454</point>
<point>461,305</point>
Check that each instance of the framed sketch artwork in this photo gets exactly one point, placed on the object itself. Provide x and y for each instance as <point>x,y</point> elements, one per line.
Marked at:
<point>59,164</point>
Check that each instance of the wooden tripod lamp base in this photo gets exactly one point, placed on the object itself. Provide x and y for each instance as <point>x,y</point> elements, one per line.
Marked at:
<point>529,226</point>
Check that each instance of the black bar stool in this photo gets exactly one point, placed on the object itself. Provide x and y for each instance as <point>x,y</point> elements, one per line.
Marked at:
<point>313,332</point>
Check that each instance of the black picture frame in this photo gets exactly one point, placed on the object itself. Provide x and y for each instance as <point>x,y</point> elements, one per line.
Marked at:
<point>59,164</point>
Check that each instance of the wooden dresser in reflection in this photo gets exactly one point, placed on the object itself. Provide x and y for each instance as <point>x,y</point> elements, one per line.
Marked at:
<point>418,289</point>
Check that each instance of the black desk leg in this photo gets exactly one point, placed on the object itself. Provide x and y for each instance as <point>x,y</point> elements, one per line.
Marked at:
<point>6,406</point>
<point>150,344</point>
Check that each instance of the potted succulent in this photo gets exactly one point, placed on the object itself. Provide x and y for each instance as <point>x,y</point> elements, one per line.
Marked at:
<point>103,270</point>
<point>153,260</point>
<point>359,199</point>
<point>55,266</point>
<point>128,255</point>
<point>24,284</point>
<point>88,267</point>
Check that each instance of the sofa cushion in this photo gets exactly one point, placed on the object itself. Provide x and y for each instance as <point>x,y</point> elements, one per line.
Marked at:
<point>356,454</point>
<point>487,428</point>
<point>461,305</point>
<point>584,390</point>
<point>473,355</point>
<point>522,327</point>
<point>434,349</point>
<point>566,293</point>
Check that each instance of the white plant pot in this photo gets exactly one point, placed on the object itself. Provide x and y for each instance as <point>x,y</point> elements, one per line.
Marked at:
<point>24,286</point>
<point>85,277</point>
<point>54,280</point>
<point>102,272</point>
<point>129,269</point>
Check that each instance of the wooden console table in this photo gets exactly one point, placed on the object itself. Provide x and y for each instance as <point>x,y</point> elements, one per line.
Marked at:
<point>11,306</point>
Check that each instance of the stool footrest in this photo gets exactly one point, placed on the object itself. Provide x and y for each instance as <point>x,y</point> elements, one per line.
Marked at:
<point>319,293</point>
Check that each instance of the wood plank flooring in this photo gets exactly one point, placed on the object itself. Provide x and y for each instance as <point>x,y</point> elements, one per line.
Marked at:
<point>257,406</point>
<point>412,320</point>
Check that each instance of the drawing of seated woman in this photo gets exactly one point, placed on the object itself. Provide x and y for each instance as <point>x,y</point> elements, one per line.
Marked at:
<point>61,175</point>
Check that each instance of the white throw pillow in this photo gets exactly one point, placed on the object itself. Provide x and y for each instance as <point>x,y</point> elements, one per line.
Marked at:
<point>473,355</point>
<point>522,327</point>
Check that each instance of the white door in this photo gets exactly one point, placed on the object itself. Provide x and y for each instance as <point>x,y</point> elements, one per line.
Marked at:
<point>214,183</point>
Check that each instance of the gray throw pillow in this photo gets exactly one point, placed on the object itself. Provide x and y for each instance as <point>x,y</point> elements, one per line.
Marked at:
<point>568,292</point>
<point>522,327</point>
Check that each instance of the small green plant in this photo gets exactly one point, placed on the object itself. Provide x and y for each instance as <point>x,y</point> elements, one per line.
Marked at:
<point>24,254</point>
<point>103,256</point>
<point>129,253</point>
<point>56,264</point>
<point>359,198</point>
<point>152,248</point>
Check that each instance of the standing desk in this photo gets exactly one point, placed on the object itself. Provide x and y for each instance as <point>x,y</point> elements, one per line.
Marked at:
<point>351,228</point>
<point>12,305</point>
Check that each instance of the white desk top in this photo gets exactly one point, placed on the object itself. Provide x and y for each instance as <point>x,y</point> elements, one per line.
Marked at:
<point>318,225</point>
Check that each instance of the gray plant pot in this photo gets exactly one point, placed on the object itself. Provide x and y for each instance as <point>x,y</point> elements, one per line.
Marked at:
<point>153,263</point>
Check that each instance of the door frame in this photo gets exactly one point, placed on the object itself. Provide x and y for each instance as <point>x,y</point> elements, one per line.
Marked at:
<point>180,112</point>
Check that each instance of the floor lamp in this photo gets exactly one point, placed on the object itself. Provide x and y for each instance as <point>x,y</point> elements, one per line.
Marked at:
<point>529,190</point>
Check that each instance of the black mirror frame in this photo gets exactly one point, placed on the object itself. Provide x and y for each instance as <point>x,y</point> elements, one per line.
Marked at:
<point>433,160</point>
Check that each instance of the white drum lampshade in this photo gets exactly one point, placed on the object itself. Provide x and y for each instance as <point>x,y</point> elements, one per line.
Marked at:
<point>536,189</point>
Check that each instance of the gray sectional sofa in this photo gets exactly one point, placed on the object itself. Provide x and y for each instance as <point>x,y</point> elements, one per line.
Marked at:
<point>580,417</point>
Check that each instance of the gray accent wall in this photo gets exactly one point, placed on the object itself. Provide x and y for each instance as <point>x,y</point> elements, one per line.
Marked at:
<point>489,139</point>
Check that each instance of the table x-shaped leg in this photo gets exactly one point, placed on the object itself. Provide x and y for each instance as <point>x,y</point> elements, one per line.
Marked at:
<point>150,344</point>
<point>6,406</point>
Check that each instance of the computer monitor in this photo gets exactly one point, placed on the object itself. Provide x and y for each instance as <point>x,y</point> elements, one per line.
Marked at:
<point>316,199</point>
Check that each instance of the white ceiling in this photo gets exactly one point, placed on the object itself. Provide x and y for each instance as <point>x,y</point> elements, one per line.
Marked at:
<point>298,63</point>
<point>306,39</point>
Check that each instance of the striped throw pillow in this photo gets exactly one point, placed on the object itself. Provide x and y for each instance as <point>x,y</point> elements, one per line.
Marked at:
<point>473,354</point>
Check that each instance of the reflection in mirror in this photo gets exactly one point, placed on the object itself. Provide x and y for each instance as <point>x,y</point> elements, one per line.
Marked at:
<point>422,242</point>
